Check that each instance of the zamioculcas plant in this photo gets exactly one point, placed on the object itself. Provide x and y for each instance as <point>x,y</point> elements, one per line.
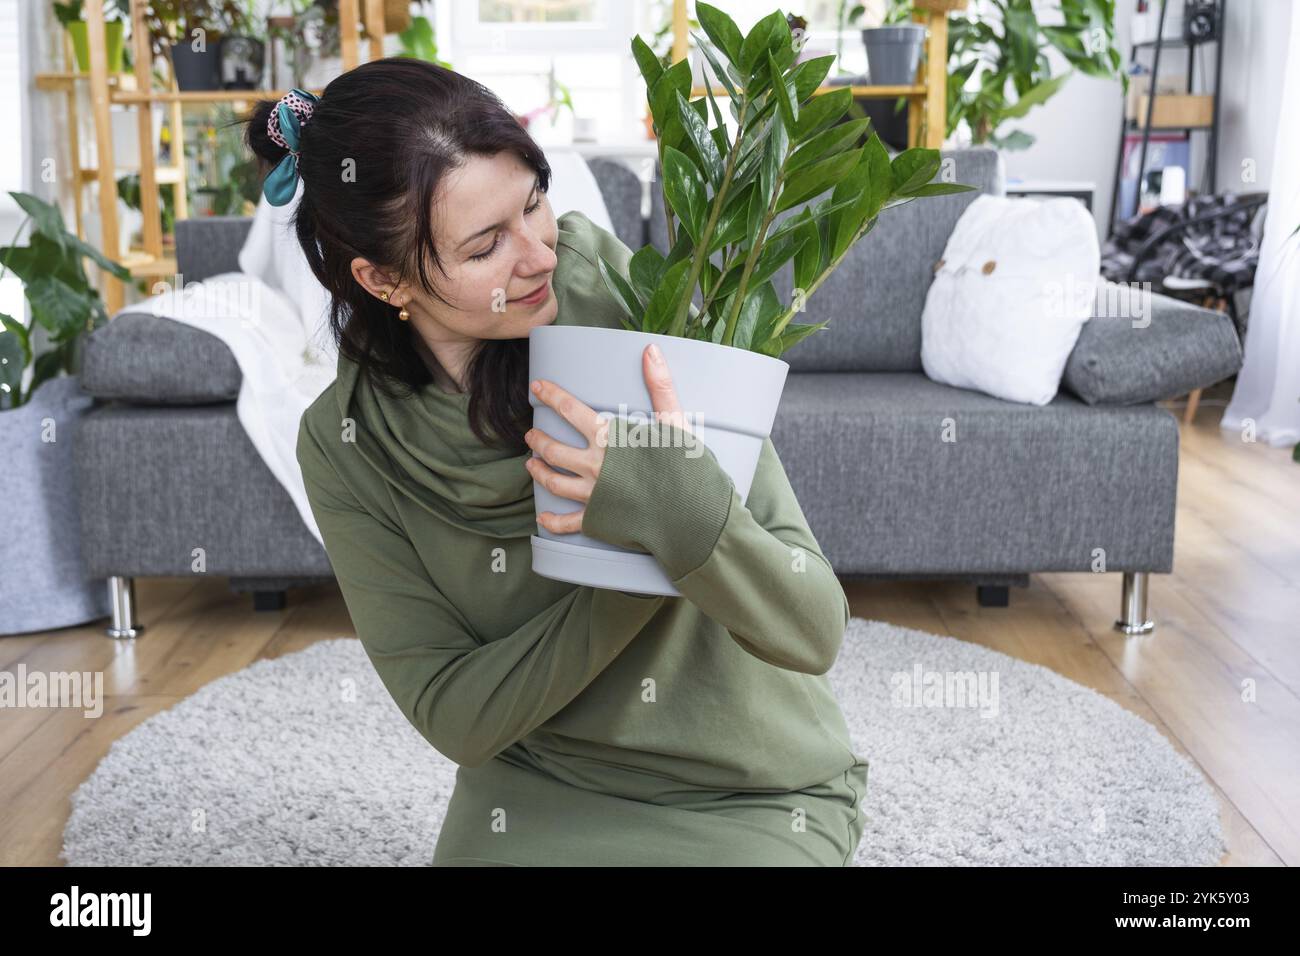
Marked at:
<point>723,191</point>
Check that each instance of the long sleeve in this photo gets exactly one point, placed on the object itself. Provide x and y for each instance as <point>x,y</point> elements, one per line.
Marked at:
<point>753,566</point>
<point>470,700</point>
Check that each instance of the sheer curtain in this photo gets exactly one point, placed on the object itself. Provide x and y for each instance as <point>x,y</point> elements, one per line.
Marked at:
<point>1267,391</point>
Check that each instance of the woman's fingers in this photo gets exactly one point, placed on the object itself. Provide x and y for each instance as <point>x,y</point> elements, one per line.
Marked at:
<point>575,411</point>
<point>561,524</point>
<point>557,453</point>
<point>663,394</point>
<point>575,487</point>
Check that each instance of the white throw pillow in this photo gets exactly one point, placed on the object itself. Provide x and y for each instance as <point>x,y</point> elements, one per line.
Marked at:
<point>1017,281</point>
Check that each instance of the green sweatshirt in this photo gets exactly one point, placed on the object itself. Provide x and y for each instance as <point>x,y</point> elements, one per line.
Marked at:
<point>715,699</point>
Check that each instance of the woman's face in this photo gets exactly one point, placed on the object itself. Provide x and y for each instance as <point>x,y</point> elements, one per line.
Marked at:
<point>496,235</point>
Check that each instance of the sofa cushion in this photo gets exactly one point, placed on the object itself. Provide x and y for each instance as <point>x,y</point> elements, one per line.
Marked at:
<point>896,473</point>
<point>1016,284</point>
<point>1126,356</point>
<point>144,358</point>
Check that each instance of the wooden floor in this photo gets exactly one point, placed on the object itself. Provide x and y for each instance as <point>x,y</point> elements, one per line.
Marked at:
<point>1228,617</point>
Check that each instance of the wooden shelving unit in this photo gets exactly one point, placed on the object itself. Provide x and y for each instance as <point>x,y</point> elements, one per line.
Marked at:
<point>136,89</point>
<point>926,118</point>
<point>926,98</point>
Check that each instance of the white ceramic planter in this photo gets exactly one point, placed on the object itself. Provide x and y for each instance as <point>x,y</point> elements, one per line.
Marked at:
<point>44,585</point>
<point>729,396</point>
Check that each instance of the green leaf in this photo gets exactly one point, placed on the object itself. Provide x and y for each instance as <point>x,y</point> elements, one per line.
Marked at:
<point>1035,96</point>
<point>46,219</point>
<point>697,130</point>
<point>720,128</point>
<point>808,260</point>
<point>663,304</point>
<point>721,29</point>
<point>733,220</point>
<point>647,62</point>
<point>809,74</point>
<point>707,49</point>
<point>1016,139</point>
<point>685,191</point>
<point>785,102</point>
<point>791,335</point>
<point>882,175</point>
<point>760,37</point>
<point>662,95</point>
<point>774,255</point>
<point>818,211</point>
<point>913,168</point>
<point>621,289</point>
<point>828,142</point>
<point>761,306</point>
<point>773,158</point>
<point>108,265</point>
<point>645,269</point>
<point>820,112</point>
<point>56,305</point>
<point>855,185</point>
<point>812,181</point>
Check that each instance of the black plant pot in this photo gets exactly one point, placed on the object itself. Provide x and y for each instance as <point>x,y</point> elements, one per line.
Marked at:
<point>197,70</point>
<point>891,126</point>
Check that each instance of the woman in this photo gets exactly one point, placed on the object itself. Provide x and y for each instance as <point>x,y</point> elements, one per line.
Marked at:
<point>590,726</point>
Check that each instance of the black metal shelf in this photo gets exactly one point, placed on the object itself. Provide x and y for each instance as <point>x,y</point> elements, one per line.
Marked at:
<point>1128,126</point>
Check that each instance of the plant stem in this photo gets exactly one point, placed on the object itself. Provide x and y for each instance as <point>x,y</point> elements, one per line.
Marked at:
<point>789,314</point>
<point>752,259</point>
<point>678,326</point>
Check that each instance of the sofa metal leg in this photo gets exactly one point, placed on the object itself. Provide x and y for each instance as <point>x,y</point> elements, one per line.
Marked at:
<point>1133,605</point>
<point>992,595</point>
<point>121,600</point>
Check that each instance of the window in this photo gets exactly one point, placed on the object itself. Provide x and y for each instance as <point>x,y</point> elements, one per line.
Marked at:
<point>537,11</point>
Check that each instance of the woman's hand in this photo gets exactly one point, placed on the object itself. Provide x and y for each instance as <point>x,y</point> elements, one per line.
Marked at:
<point>585,463</point>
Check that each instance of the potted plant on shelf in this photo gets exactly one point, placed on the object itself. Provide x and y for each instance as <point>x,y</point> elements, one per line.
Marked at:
<point>723,194</point>
<point>71,13</point>
<point>188,33</point>
<point>894,47</point>
<point>44,585</point>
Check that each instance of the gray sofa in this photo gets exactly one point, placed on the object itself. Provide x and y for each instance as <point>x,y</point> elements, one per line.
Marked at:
<point>1085,483</point>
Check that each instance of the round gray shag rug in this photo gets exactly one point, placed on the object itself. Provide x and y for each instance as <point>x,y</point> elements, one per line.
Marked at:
<point>306,760</point>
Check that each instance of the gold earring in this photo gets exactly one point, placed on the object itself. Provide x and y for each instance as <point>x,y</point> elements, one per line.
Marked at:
<point>404,315</point>
<point>384,296</point>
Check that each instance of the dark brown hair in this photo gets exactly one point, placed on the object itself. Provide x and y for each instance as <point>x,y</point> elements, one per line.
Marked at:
<point>371,157</point>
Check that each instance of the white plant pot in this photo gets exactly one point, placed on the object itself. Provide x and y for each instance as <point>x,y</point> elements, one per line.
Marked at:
<point>44,585</point>
<point>729,395</point>
<point>126,136</point>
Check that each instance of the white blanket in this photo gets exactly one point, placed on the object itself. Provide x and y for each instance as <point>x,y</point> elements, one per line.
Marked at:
<point>273,314</point>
